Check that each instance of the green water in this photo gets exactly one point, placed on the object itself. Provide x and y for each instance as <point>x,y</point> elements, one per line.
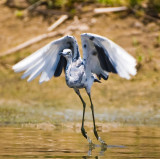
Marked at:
<point>123,143</point>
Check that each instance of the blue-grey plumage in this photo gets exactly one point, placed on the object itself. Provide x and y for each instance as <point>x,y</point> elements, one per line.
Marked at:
<point>100,57</point>
<point>76,74</point>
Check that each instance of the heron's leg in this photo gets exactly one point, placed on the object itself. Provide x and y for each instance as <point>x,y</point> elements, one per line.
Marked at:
<point>84,133</point>
<point>94,125</point>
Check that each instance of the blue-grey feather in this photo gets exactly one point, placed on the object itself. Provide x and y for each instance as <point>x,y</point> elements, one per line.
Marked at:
<point>105,62</point>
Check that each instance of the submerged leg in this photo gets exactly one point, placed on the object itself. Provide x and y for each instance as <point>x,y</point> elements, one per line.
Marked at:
<point>84,133</point>
<point>94,125</point>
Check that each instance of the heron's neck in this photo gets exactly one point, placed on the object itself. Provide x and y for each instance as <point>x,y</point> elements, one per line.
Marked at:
<point>69,61</point>
<point>68,67</point>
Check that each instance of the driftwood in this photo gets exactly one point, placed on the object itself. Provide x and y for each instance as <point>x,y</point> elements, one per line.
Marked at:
<point>31,41</point>
<point>58,22</point>
<point>111,9</point>
<point>40,38</point>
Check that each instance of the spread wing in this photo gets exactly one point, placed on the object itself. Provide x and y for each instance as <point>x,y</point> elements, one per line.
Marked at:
<point>102,56</point>
<point>47,61</point>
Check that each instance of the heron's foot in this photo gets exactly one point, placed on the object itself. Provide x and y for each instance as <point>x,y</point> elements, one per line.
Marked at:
<point>102,142</point>
<point>84,133</point>
<point>98,137</point>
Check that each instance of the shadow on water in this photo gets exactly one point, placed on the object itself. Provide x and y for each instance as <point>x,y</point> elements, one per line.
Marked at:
<point>131,142</point>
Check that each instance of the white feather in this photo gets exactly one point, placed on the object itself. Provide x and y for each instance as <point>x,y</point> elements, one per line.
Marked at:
<point>28,61</point>
<point>46,74</point>
<point>34,66</point>
<point>36,72</point>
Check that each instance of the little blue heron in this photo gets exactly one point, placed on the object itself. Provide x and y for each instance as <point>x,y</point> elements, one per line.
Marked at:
<point>100,57</point>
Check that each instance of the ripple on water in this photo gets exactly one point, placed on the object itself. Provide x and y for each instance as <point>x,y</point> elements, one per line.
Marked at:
<point>127,142</point>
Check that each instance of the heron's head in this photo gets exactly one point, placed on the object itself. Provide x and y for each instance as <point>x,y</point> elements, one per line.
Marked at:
<point>67,53</point>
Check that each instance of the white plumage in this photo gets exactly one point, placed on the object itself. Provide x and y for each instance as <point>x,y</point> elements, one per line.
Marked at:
<point>100,57</point>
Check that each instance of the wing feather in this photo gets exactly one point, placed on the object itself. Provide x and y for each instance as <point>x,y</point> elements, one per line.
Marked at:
<point>46,61</point>
<point>107,56</point>
<point>28,61</point>
<point>35,65</point>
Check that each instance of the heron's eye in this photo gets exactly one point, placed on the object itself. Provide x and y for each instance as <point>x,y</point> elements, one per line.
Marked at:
<point>84,45</point>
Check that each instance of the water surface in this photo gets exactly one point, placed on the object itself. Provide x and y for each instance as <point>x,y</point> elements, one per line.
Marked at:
<point>123,143</point>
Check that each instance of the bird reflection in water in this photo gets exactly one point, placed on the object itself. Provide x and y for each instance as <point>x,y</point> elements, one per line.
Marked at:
<point>102,150</point>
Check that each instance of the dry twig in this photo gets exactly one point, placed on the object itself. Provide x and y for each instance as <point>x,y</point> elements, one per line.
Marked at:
<point>38,39</point>
<point>111,9</point>
<point>58,22</point>
<point>31,41</point>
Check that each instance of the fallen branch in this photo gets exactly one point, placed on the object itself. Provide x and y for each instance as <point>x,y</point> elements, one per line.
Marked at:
<point>58,22</point>
<point>41,37</point>
<point>38,39</point>
<point>111,9</point>
<point>31,41</point>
